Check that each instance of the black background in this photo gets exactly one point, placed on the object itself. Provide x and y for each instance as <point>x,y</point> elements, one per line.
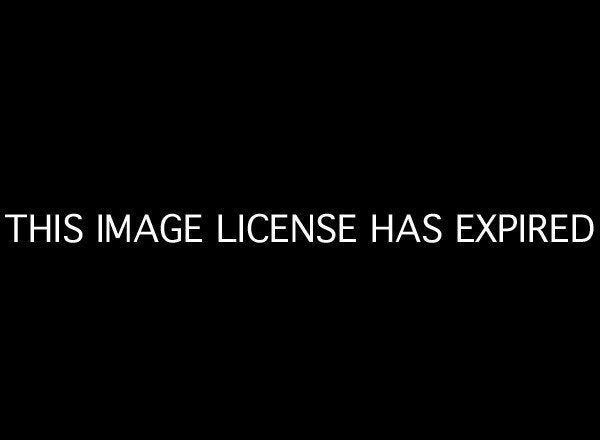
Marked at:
<point>386,112</point>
